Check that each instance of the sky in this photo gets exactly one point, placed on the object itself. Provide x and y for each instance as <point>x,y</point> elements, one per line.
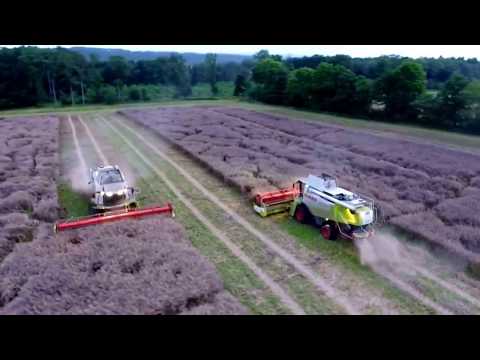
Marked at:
<point>414,51</point>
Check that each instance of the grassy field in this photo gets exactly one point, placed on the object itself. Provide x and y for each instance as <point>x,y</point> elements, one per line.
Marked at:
<point>225,90</point>
<point>163,95</point>
<point>74,203</point>
<point>439,136</point>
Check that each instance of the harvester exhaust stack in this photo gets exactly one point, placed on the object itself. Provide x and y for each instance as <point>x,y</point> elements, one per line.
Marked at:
<point>112,216</point>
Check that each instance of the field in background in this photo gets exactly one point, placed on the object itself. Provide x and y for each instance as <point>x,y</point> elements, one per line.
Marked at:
<point>158,95</point>
<point>225,90</point>
<point>470,142</point>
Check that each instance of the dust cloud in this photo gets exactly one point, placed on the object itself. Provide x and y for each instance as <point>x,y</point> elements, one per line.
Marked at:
<point>78,179</point>
<point>386,250</point>
<point>388,254</point>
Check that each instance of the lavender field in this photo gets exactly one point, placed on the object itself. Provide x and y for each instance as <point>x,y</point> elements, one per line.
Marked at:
<point>424,189</point>
<point>28,171</point>
<point>131,267</point>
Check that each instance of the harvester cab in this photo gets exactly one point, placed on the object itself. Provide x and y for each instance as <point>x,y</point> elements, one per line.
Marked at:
<point>110,190</point>
<point>318,200</point>
<point>112,199</point>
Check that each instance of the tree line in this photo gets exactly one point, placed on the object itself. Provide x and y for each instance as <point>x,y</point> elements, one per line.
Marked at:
<point>442,93</point>
<point>393,89</point>
<point>30,76</point>
<point>438,70</point>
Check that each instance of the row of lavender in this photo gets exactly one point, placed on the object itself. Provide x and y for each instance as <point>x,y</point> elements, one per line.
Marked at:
<point>136,267</point>
<point>131,267</point>
<point>28,171</point>
<point>424,189</point>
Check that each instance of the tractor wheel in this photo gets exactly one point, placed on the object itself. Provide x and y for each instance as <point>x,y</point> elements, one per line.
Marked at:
<point>302,215</point>
<point>329,232</point>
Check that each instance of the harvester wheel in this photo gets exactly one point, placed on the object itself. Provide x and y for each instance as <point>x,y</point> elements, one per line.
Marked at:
<point>302,214</point>
<point>329,232</point>
<point>92,210</point>
<point>132,206</point>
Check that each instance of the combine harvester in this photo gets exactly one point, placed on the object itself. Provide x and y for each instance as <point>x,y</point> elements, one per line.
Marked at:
<point>316,199</point>
<point>111,199</point>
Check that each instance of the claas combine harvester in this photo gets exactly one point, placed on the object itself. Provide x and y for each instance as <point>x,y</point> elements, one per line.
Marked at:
<point>111,199</point>
<point>318,200</point>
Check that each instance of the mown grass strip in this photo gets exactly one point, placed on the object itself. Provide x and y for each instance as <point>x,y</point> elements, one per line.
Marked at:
<point>74,203</point>
<point>344,254</point>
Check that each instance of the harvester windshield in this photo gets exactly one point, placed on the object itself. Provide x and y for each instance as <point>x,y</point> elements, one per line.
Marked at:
<point>110,177</point>
<point>345,197</point>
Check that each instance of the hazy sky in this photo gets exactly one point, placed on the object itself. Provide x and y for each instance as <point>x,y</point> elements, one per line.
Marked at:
<point>467,51</point>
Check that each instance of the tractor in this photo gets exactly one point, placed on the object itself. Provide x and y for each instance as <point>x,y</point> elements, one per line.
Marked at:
<point>319,201</point>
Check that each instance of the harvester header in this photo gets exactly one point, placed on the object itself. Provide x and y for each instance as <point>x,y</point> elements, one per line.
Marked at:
<point>113,216</point>
<point>111,199</point>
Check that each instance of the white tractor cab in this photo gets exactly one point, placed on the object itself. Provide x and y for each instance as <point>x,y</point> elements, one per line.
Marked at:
<point>318,200</point>
<point>110,190</point>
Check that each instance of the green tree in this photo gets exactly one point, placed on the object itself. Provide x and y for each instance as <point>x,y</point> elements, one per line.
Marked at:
<point>134,93</point>
<point>426,108</point>
<point>452,100</point>
<point>116,69</point>
<point>261,55</point>
<point>299,87</point>
<point>108,94</point>
<point>362,96</point>
<point>336,88</point>
<point>471,114</point>
<point>271,79</point>
<point>471,93</point>
<point>240,85</point>
<point>399,88</point>
<point>211,69</point>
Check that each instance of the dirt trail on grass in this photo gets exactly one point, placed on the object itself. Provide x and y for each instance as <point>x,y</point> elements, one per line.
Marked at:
<point>386,249</point>
<point>395,260</point>
<point>447,285</point>
<point>404,286</point>
<point>98,150</point>
<point>291,304</point>
<point>306,271</point>
<point>78,174</point>
<point>130,175</point>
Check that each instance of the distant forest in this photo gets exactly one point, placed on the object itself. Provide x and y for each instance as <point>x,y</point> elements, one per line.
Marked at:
<point>30,76</point>
<point>438,70</point>
<point>442,92</point>
<point>190,58</point>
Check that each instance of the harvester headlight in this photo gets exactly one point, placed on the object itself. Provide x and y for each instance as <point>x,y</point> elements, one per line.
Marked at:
<point>109,193</point>
<point>121,192</point>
